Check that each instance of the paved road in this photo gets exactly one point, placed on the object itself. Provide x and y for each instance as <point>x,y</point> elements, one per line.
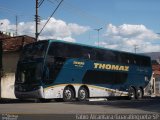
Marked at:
<point>145,106</point>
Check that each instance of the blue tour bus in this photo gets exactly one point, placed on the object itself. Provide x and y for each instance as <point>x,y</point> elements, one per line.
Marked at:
<point>52,69</point>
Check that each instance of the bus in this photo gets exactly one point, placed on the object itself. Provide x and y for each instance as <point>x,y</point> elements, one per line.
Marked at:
<point>54,69</point>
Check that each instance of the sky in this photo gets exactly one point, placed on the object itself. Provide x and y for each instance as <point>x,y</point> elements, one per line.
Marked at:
<point>125,23</point>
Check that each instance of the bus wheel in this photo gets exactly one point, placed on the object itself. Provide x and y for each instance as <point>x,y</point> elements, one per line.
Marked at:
<point>68,94</point>
<point>139,93</point>
<point>132,93</point>
<point>82,94</point>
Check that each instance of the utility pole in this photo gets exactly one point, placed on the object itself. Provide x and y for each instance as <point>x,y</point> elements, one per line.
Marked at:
<point>36,19</point>
<point>1,67</point>
<point>16,25</point>
<point>135,48</point>
<point>98,33</point>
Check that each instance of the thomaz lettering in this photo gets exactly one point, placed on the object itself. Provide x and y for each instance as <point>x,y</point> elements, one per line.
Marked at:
<point>111,67</point>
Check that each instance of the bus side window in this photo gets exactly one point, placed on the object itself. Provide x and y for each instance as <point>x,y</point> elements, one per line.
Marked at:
<point>99,55</point>
<point>89,56</point>
<point>88,53</point>
<point>86,56</point>
<point>126,59</point>
<point>72,51</point>
<point>108,56</point>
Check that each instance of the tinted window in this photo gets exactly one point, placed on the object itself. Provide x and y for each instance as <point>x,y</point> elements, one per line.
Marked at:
<point>58,50</point>
<point>135,59</point>
<point>69,50</point>
<point>78,51</point>
<point>106,55</point>
<point>142,60</point>
<point>88,53</point>
<point>34,50</point>
<point>126,58</point>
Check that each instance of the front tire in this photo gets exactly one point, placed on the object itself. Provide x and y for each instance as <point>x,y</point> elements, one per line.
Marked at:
<point>82,94</point>
<point>68,94</point>
<point>132,93</point>
<point>139,94</point>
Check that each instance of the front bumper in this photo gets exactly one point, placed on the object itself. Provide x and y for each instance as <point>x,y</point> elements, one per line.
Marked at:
<point>31,94</point>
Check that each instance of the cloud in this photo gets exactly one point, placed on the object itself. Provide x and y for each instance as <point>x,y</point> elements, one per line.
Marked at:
<point>76,29</point>
<point>59,29</point>
<point>6,25</point>
<point>125,36</point>
<point>55,29</point>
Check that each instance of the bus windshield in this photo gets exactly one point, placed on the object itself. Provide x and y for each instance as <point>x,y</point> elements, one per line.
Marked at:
<point>35,50</point>
<point>29,73</point>
<point>29,69</point>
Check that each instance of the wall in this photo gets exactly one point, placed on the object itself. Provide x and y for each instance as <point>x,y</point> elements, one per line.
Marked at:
<point>157,86</point>
<point>0,55</point>
<point>10,60</point>
<point>7,86</point>
<point>153,88</point>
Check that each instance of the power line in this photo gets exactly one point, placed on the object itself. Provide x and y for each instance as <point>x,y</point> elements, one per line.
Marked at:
<point>13,12</point>
<point>80,12</point>
<point>51,1</point>
<point>50,17</point>
<point>40,3</point>
<point>9,10</point>
<point>83,14</point>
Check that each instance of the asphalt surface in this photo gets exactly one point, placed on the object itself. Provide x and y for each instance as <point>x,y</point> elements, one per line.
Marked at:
<point>62,109</point>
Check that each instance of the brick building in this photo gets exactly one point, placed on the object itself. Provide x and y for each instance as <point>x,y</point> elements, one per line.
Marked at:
<point>12,47</point>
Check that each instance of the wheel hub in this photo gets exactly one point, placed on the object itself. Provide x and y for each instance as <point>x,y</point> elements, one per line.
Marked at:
<point>67,94</point>
<point>139,93</point>
<point>82,94</point>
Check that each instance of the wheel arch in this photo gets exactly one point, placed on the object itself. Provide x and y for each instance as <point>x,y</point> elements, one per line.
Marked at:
<point>133,87</point>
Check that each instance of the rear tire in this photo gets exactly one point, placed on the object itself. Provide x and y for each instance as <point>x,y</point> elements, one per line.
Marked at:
<point>68,94</point>
<point>131,93</point>
<point>82,94</point>
<point>139,94</point>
